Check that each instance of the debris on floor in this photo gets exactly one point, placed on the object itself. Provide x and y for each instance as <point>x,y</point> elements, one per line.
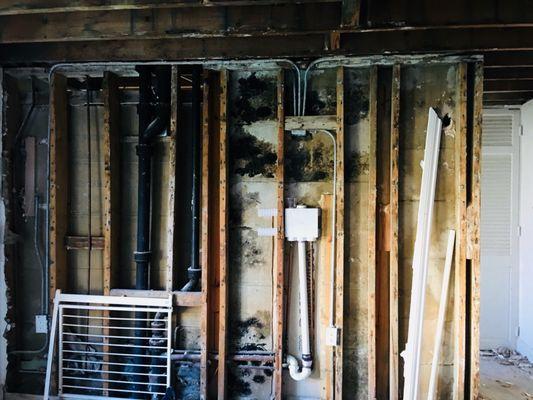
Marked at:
<point>505,374</point>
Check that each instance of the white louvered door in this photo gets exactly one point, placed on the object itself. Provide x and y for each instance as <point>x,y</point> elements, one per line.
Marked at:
<point>499,228</point>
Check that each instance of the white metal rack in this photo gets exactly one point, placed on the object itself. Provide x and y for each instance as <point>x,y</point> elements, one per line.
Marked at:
<point>97,336</point>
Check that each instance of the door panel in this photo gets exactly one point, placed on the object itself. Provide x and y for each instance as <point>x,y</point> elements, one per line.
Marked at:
<point>499,228</point>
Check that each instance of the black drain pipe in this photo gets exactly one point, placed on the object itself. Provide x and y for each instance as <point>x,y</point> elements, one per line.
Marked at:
<point>195,270</point>
<point>154,113</point>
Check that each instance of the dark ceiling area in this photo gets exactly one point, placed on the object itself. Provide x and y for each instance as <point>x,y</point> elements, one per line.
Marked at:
<point>39,32</point>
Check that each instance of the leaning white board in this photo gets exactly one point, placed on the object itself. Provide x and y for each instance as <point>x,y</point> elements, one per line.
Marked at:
<point>412,352</point>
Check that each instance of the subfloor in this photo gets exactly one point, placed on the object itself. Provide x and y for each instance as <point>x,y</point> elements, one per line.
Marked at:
<point>505,377</point>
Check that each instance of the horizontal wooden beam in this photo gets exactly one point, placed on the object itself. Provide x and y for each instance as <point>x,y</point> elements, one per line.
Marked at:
<point>514,85</point>
<point>509,73</point>
<point>14,7</point>
<point>509,98</point>
<point>167,23</point>
<point>181,299</point>
<point>311,122</point>
<point>506,59</point>
<point>82,242</point>
<point>357,43</point>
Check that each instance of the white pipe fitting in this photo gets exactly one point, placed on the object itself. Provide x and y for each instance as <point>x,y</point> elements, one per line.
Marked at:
<point>294,368</point>
<point>307,361</point>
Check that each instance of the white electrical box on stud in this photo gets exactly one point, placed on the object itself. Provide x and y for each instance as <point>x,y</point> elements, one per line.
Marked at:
<point>302,224</point>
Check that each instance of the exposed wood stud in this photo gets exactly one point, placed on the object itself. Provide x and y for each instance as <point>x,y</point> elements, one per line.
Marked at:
<point>339,248</point>
<point>372,212</point>
<point>311,122</point>
<point>279,268</point>
<point>111,193</point>
<point>205,258</point>
<point>58,183</point>
<point>474,220</point>
<point>82,243</point>
<point>394,374</point>
<point>172,149</point>
<point>460,248</point>
<point>324,281</point>
<point>223,245</point>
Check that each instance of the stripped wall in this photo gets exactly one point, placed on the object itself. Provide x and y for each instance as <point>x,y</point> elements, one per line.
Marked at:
<point>252,185</point>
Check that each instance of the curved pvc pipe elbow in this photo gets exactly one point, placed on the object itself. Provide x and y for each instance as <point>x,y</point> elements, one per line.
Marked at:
<point>294,368</point>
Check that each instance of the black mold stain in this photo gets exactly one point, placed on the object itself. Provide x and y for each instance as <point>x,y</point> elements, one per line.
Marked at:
<point>255,99</point>
<point>248,335</point>
<point>357,164</point>
<point>259,379</point>
<point>187,381</point>
<point>357,103</point>
<point>250,155</point>
<point>244,250</point>
<point>268,372</point>
<point>237,385</point>
<point>307,160</point>
<point>314,104</point>
<point>238,203</point>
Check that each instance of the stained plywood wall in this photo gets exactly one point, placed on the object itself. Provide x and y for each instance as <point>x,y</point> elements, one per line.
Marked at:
<point>381,111</point>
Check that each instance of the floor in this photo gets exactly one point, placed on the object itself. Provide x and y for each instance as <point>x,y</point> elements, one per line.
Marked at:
<point>505,376</point>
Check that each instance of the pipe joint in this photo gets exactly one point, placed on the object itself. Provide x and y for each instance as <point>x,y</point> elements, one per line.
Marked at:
<point>142,256</point>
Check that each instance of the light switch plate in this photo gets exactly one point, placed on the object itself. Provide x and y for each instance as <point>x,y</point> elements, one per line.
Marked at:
<point>41,324</point>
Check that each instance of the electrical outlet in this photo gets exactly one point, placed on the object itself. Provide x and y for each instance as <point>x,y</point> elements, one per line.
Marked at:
<point>332,336</point>
<point>41,324</point>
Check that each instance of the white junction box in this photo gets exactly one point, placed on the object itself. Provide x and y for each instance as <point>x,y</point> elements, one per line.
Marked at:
<point>332,336</point>
<point>302,224</point>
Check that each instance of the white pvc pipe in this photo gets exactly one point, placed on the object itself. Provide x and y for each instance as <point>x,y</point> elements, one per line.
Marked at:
<point>307,363</point>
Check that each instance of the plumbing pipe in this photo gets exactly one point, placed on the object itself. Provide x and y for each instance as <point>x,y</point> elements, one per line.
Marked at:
<point>307,360</point>
<point>195,270</point>
<point>148,130</point>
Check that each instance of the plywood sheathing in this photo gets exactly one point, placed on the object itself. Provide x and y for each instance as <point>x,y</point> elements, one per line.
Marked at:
<point>424,86</point>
